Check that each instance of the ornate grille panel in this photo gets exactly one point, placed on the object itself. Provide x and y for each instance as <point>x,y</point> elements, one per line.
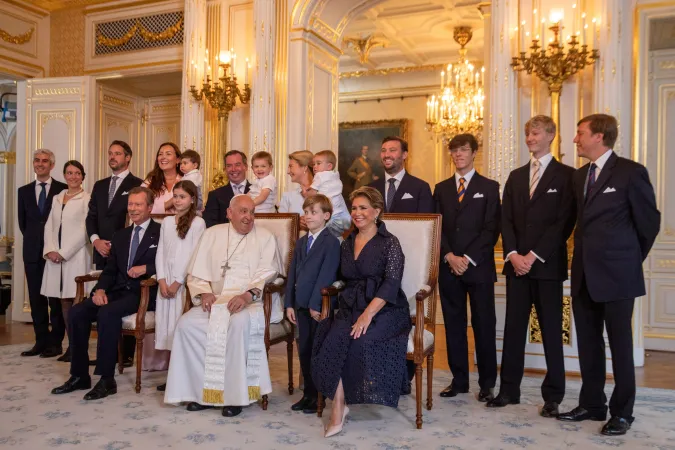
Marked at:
<point>141,33</point>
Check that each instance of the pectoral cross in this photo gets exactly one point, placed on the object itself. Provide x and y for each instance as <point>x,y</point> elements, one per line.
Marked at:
<point>225,268</point>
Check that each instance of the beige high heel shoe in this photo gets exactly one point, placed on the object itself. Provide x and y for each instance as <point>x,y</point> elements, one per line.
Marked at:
<point>335,429</point>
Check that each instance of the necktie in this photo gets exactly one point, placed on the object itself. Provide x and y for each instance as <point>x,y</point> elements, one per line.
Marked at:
<point>391,193</point>
<point>310,239</point>
<point>111,191</point>
<point>135,241</point>
<point>461,190</point>
<point>535,176</point>
<point>237,189</point>
<point>591,180</point>
<point>42,199</point>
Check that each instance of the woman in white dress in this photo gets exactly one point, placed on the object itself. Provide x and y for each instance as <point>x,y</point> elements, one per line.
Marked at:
<point>179,237</point>
<point>163,177</point>
<point>66,250</point>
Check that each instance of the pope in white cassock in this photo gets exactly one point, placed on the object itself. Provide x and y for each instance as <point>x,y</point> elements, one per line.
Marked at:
<point>219,356</point>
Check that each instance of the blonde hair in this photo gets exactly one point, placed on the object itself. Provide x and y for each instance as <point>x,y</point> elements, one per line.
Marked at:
<point>372,195</point>
<point>304,158</point>
<point>541,121</point>
<point>329,155</point>
<point>262,155</point>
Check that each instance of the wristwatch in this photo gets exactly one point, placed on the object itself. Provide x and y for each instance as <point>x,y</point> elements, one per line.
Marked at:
<point>255,294</point>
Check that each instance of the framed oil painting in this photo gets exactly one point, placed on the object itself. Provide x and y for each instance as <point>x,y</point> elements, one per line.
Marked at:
<point>359,146</point>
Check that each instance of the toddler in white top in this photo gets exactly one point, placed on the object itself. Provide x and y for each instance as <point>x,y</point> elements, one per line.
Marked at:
<point>327,182</point>
<point>189,165</point>
<point>263,190</point>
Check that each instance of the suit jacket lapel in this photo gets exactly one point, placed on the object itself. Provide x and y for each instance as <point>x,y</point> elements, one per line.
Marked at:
<point>605,174</point>
<point>401,189</point>
<point>50,198</point>
<point>471,189</point>
<point>32,197</point>
<point>148,239</point>
<point>121,189</point>
<point>546,179</point>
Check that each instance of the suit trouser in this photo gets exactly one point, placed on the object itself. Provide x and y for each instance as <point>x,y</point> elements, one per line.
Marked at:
<point>483,321</point>
<point>590,319</point>
<point>546,295</point>
<point>42,309</point>
<point>306,331</point>
<point>128,342</point>
<point>108,320</point>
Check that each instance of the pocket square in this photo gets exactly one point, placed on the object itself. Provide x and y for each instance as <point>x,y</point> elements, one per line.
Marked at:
<point>551,191</point>
<point>125,193</point>
<point>406,196</point>
<point>608,190</point>
<point>478,195</point>
<point>153,246</point>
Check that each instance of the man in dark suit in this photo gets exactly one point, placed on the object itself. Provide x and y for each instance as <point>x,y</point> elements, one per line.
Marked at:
<point>402,192</point>
<point>537,219</point>
<point>469,204</point>
<point>34,205</point>
<point>116,295</point>
<point>215,211</point>
<point>617,223</point>
<point>108,214</point>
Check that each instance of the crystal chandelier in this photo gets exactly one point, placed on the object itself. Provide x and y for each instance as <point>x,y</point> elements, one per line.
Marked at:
<point>458,106</point>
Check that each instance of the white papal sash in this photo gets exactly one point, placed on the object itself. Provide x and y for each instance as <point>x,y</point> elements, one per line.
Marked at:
<point>216,344</point>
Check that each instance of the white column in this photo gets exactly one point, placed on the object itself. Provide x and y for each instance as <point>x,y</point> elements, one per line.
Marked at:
<point>501,86</point>
<point>194,46</point>
<point>262,98</point>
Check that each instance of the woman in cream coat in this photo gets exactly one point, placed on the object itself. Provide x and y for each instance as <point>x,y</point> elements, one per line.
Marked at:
<point>66,248</point>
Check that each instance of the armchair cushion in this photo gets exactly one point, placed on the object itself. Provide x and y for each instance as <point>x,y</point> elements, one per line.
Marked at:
<point>129,322</point>
<point>279,330</point>
<point>427,339</point>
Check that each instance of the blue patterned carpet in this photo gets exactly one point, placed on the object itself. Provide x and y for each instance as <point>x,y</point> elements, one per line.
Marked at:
<point>31,418</point>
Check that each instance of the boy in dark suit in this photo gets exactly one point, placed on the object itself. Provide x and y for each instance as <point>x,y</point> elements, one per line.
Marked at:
<point>537,219</point>
<point>469,204</point>
<point>315,264</point>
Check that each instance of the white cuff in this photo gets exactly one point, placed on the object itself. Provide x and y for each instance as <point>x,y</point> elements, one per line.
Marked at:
<point>94,237</point>
<point>537,256</point>
<point>509,255</point>
<point>470,260</point>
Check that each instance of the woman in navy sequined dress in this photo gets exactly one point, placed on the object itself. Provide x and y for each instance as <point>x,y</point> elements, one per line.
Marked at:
<point>359,356</point>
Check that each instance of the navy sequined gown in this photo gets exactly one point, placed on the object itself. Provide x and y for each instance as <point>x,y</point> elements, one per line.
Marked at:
<point>372,367</point>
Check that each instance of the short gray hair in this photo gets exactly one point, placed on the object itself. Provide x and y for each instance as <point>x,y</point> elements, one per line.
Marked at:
<point>234,198</point>
<point>47,152</point>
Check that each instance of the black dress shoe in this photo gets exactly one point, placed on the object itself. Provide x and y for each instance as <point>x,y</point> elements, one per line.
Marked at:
<point>73,384</point>
<point>33,351</point>
<point>616,426</point>
<point>310,406</point>
<point>407,388</point>
<point>485,395</point>
<point>127,362</point>
<point>231,411</point>
<point>579,414</point>
<point>104,388</point>
<point>194,406</point>
<point>300,404</point>
<point>65,357</point>
<point>161,387</point>
<point>550,409</point>
<point>502,400</point>
<point>51,352</point>
<point>452,391</point>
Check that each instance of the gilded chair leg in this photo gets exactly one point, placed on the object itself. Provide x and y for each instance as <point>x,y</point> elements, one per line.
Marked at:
<point>120,365</point>
<point>139,362</point>
<point>289,350</point>
<point>430,381</point>
<point>320,403</point>
<point>418,392</point>
<point>265,402</point>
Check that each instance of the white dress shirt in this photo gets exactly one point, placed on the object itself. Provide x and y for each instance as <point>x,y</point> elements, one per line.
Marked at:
<point>38,188</point>
<point>144,228</point>
<point>599,163</point>
<point>314,236</point>
<point>398,177</point>
<point>120,177</point>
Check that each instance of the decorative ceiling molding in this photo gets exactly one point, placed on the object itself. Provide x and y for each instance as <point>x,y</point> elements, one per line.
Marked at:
<point>363,45</point>
<point>17,39</point>
<point>392,70</point>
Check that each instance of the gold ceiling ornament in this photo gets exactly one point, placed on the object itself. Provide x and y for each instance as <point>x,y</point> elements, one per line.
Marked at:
<point>363,46</point>
<point>146,34</point>
<point>16,39</point>
<point>391,70</point>
<point>458,106</point>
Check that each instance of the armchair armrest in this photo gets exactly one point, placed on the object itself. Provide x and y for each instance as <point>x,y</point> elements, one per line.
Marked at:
<point>145,302</point>
<point>276,285</point>
<point>418,338</point>
<point>79,292</point>
<point>326,294</point>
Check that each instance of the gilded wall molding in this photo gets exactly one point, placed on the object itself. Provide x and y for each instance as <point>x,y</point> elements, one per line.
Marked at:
<point>167,107</point>
<point>118,101</point>
<point>7,157</point>
<point>17,39</point>
<point>667,65</point>
<point>147,35</point>
<point>114,122</point>
<point>392,70</point>
<point>55,91</point>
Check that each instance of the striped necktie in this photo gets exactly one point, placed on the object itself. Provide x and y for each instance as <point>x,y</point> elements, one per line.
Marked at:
<point>534,180</point>
<point>461,190</point>
<point>113,188</point>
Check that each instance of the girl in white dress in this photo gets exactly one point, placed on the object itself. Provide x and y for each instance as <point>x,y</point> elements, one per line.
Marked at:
<point>179,237</point>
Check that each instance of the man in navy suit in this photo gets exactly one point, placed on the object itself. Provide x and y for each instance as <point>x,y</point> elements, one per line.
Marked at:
<point>537,219</point>
<point>34,205</point>
<point>402,192</point>
<point>469,204</point>
<point>315,264</point>
<point>215,211</point>
<point>116,295</point>
<point>617,224</point>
